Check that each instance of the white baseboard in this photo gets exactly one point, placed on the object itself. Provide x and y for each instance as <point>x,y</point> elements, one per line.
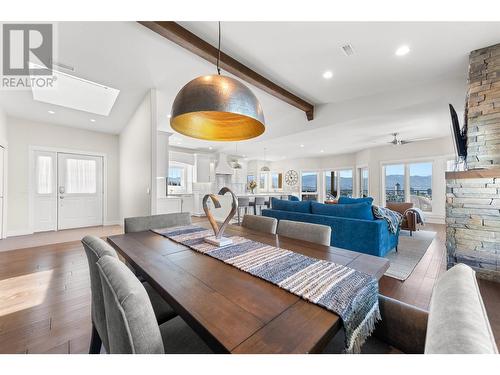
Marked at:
<point>113,222</point>
<point>18,232</point>
<point>435,220</point>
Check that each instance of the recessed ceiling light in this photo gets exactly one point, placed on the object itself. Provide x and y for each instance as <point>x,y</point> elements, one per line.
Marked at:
<point>403,50</point>
<point>328,74</point>
<point>51,112</point>
<point>92,120</point>
<point>209,147</point>
<point>322,151</point>
<point>301,145</point>
<point>169,116</point>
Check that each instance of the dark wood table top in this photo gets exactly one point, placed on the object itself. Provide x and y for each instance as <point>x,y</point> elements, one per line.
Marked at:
<point>233,311</point>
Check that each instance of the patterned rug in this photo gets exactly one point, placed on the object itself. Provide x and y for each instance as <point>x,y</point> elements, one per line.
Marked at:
<point>410,251</point>
<point>350,294</point>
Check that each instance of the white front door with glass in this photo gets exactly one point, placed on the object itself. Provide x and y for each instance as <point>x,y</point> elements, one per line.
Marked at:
<point>79,191</point>
<point>68,191</point>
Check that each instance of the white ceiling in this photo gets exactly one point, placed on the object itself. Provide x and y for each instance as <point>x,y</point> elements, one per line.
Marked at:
<point>371,94</point>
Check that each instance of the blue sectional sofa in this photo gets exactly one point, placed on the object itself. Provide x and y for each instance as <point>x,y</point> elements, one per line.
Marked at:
<point>352,222</point>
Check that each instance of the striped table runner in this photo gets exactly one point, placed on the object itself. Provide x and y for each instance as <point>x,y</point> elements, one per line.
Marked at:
<point>350,294</point>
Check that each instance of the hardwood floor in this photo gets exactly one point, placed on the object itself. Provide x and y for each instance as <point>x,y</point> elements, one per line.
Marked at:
<point>45,291</point>
<point>416,289</point>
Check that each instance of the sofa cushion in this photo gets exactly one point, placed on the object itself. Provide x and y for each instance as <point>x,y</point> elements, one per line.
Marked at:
<point>284,205</point>
<point>362,211</point>
<point>458,323</point>
<point>348,200</point>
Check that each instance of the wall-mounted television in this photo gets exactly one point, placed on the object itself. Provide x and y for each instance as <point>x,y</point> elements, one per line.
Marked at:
<point>459,134</point>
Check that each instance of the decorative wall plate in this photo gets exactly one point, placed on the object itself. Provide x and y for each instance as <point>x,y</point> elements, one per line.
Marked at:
<point>291,177</point>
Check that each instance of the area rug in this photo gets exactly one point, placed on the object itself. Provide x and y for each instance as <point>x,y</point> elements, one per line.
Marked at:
<point>410,251</point>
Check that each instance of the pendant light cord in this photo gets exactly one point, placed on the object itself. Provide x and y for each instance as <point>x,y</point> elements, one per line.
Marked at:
<point>218,57</point>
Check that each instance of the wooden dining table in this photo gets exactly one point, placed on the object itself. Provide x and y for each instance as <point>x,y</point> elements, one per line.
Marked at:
<point>231,310</point>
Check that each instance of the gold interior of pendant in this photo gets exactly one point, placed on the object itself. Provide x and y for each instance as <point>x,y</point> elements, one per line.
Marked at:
<point>217,126</point>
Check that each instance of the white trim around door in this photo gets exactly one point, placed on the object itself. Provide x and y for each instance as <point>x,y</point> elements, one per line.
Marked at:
<point>56,153</point>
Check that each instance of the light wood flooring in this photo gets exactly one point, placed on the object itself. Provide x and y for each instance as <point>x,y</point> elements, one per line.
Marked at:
<point>45,290</point>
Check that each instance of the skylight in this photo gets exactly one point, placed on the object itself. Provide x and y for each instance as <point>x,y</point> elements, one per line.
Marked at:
<point>77,93</point>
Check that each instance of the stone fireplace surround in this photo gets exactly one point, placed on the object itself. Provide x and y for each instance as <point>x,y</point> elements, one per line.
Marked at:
<point>473,196</point>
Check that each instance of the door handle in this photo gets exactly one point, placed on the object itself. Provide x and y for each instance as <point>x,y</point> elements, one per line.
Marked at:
<point>61,197</point>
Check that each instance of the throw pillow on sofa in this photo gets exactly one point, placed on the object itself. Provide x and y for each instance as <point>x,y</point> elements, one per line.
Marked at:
<point>362,211</point>
<point>349,200</point>
<point>293,206</point>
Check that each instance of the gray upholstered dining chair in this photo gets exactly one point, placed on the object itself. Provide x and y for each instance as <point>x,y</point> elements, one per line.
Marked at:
<point>130,319</point>
<point>243,203</point>
<point>259,202</point>
<point>96,248</point>
<point>316,233</point>
<point>142,223</point>
<point>260,223</point>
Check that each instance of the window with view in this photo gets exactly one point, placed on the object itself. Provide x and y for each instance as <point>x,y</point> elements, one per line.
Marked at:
<point>363,182</point>
<point>421,185</point>
<point>277,180</point>
<point>175,176</point>
<point>263,181</point>
<point>345,183</point>
<point>395,183</point>
<point>338,184</point>
<point>410,182</point>
<point>309,183</point>
<point>330,185</point>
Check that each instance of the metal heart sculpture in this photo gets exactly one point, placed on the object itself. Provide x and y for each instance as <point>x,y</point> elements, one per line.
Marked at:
<point>218,231</point>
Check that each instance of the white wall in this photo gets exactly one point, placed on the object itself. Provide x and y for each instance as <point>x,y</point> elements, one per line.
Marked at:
<point>3,128</point>
<point>436,150</point>
<point>24,133</point>
<point>136,161</point>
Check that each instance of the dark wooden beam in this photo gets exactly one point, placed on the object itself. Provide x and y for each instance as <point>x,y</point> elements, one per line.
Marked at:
<point>186,39</point>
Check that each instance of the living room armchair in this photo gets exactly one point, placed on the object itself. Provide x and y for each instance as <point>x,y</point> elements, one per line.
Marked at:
<point>409,218</point>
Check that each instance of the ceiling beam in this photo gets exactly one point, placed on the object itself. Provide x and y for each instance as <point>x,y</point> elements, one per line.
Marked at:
<point>186,39</point>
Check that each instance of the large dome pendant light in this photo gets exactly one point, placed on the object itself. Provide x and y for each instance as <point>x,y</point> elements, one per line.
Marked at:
<point>217,108</point>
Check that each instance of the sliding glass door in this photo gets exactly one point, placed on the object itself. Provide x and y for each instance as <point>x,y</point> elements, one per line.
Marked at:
<point>421,185</point>
<point>331,191</point>
<point>345,183</point>
<point>338,184</point>
<point>363,182</point>
<point>410,182</point>
<point>395,183</point>
<point>309,186</point>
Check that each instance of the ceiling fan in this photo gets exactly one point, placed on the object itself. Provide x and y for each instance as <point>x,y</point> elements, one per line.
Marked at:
<point>398,141</point>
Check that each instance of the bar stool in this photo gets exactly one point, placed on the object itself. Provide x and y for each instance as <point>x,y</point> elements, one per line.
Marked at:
<point>243,202</point>
<point>259,202</point>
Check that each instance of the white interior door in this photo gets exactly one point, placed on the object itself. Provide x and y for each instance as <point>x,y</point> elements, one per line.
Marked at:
<point>45,191</point>
<point>80,191</point>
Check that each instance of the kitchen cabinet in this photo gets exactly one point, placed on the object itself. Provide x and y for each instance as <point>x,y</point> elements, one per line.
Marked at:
<point>187,203</point>
<point>204,169</point>
<point>175,203</point>
<point>168,205</point>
